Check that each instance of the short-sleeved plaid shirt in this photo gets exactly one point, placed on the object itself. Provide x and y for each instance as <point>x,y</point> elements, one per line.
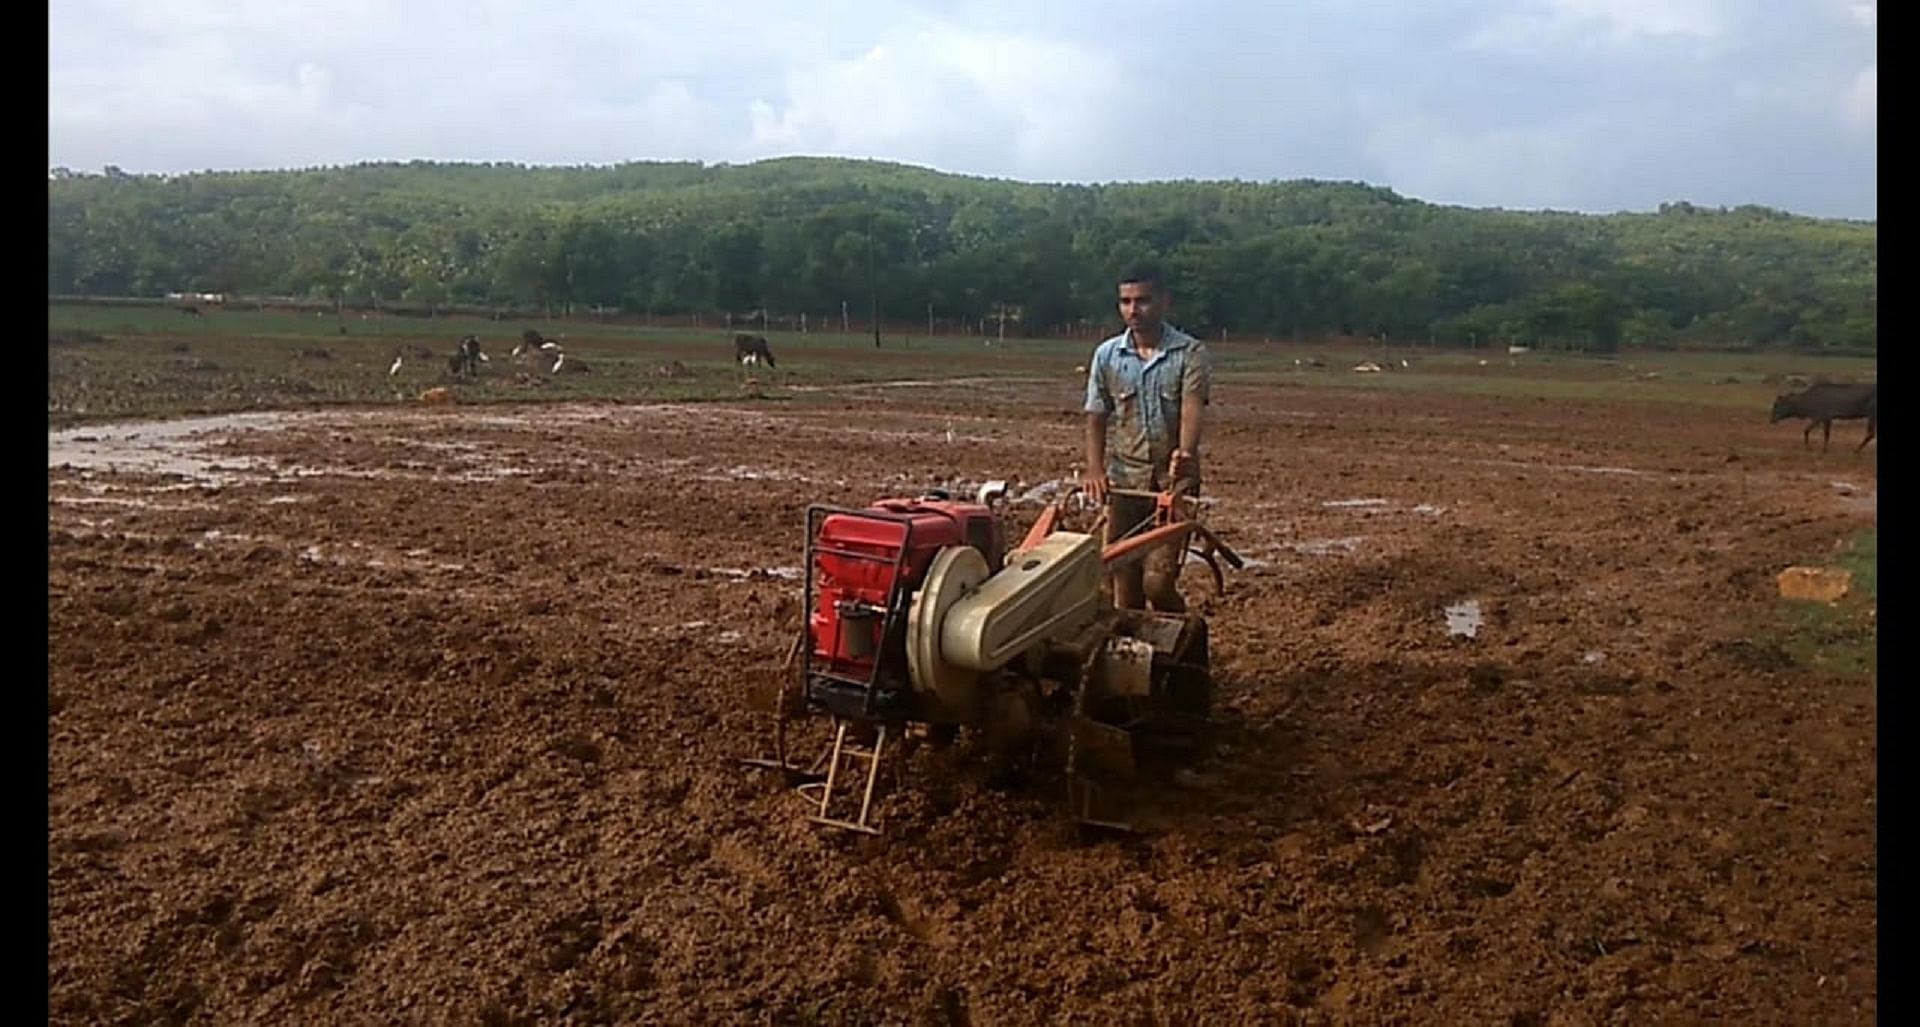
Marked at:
<point>1144,399</point>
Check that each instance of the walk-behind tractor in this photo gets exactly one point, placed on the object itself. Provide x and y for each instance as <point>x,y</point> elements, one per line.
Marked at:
<point>918,620</point>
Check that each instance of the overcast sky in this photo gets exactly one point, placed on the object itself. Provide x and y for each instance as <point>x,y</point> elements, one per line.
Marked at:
<point>1594,105</point>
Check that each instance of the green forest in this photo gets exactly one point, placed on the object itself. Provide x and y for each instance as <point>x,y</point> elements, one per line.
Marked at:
<point>806,235</point>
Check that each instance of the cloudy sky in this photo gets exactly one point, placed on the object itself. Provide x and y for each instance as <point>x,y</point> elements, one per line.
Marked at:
<point>1591,105</point>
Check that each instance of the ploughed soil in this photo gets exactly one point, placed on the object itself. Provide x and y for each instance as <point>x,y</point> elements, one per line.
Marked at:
<point>433,715</point>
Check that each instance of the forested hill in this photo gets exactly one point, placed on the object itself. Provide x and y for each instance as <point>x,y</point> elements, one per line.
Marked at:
<point>792,235</point>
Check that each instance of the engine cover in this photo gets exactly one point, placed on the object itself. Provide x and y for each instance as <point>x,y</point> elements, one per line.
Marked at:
<point>865,567</point>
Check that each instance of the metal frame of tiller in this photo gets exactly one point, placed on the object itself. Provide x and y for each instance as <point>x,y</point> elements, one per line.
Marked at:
<point>832,687</point>
<point>835,692</point>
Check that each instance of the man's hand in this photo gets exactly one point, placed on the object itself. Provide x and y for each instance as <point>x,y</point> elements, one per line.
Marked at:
<point>1097,487</point>
<point>1178,466</point>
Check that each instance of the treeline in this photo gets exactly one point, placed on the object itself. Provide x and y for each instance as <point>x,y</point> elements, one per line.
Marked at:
<point>826,236</point>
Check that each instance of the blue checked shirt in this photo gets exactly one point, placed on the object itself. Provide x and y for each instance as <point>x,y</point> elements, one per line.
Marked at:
<point>1143,400</point>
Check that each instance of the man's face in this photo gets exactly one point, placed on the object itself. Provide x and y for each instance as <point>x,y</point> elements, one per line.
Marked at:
<point>1140,305</point>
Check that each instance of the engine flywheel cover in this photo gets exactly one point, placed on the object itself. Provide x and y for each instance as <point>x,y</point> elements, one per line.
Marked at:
<point>956,571</point>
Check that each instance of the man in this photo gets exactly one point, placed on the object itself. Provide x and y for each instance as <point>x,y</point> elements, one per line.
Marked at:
<point>1151,384</point>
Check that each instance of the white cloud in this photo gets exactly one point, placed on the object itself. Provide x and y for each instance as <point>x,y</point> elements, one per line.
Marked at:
<point>1540,27</point>
<point>1591,104</point>
<point>1629,18</point>
<point>1862,101</point>
<point>939,93</point>
<point>1428,158</point>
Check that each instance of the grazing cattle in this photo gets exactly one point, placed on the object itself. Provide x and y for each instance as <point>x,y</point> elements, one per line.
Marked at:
<point>546,357</point>
<point>1824,404</point>
<point>752,349</point>
<point>535,348</point>
<point>467,359</point>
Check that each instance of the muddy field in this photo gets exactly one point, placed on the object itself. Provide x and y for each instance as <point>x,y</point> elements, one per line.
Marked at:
<point>431,716</point>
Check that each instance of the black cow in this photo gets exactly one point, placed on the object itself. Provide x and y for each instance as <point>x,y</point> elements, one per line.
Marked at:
<point>1822,405</point>
<point>466,360</point>
<point>752,349</point>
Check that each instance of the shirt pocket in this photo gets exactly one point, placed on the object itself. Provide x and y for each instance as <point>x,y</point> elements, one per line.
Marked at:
<point>1169,395</point>
<point>1171,383</point>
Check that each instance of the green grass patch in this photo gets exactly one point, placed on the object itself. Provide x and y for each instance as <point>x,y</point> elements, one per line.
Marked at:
<point>1841,637</point>
<point>127,362</point>
<point>110,361</point>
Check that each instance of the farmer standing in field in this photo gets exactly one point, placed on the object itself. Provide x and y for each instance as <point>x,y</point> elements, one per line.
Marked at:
<point>1151,385</point>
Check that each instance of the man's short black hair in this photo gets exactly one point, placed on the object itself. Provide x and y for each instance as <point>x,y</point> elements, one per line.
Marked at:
<point>1144,273</point>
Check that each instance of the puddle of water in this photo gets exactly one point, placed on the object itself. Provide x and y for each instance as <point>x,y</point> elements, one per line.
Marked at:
<point>132,501</point>
<point>495,474</point>
<point>1463,619</point>
<point>1594,656</point>
<point>917,383</point>
<point>1327,546</point>
<point>430,444</point>
<point>175,447</point>
<point>1869,503</point>
<point>1352,502</point>
<point>744,473</point>
<point>184,447</point>
<point>1579,468</point>
<point>1429,509</point>
<point>85,483</point>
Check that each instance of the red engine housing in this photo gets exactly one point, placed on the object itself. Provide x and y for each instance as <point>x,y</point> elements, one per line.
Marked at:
<point>858,576</point>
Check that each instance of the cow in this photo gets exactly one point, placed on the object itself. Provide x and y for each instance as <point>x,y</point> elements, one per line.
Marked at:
<point>467,359</point>
<point>545,356</point>
<point>1824,404</point>
<point>752,349</point>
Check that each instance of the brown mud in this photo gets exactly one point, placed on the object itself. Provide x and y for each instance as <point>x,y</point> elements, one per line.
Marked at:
<point>433,716</point>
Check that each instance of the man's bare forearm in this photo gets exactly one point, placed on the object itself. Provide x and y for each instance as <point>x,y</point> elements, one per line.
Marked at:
<point>1097,451</point>
<point>1096,443</point>
<point>1192,414</point>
